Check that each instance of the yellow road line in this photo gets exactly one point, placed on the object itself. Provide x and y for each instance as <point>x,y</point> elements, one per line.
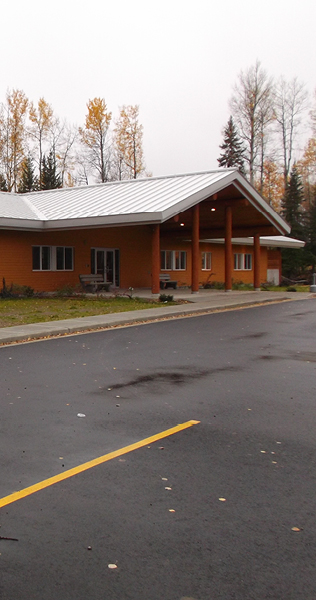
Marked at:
<point>92,463</point>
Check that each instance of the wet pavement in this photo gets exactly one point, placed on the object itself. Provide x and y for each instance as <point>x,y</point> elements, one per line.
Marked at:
<point>204,301</point>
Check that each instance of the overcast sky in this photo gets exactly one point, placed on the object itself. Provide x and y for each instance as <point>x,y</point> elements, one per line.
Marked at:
<point>177,59</point>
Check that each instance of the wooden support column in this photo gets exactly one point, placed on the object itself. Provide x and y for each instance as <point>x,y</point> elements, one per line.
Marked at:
<point>155,260</point>
<point>256,262</point>
<point>228,248</point>
<point>195,249</point>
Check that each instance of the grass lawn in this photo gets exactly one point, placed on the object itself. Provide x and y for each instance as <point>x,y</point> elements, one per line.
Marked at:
<point>20,311</point>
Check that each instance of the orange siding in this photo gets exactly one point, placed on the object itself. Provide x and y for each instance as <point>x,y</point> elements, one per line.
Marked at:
<point>134,244</point>
<point>217,272</point>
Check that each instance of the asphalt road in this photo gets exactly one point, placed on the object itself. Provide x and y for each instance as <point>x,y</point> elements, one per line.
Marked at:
<point>241,479</point>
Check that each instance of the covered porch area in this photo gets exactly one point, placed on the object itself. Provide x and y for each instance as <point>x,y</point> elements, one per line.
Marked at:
<point>232,210</point>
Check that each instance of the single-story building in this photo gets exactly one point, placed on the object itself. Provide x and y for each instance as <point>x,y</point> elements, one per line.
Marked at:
<point>130,232</point>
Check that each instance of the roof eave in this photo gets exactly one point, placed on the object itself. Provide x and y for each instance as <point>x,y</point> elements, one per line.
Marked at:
<point>23,224</point>
<point>108,221</point>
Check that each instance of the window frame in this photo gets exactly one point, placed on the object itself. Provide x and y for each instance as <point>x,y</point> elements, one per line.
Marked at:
<point>205,258</point>
<point>52,258</point>
<point>242,261</point>
<point>173,260</point>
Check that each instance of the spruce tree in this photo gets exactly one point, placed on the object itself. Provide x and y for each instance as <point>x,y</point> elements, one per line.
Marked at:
<point>295,262</point>
<point>232,147</point>
<point>50,179</point>
<point>28,181</point>
<point>292,204</point>
<point>311,244</point>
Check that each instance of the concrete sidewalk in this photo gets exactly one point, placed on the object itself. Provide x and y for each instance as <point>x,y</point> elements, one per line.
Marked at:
<point>205,301</point>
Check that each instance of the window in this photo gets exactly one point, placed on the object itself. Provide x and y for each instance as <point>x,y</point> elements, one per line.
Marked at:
<point>52,258</point>
<point>41,258</point>
<point>64,258</point>
<point>173,260</point>
<point>206,261</point>
<point>242,262</point>
<point>248,262</point>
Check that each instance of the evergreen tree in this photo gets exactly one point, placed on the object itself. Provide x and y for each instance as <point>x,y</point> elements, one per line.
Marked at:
<point>311,243</point>
<point>50,178</point>
<point>3,184</point>
<point>232,147</point>
<point>292,205</point>
<point>295,262</point>
<point>28,181</point>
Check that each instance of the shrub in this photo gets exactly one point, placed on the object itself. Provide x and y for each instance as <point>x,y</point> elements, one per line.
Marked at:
<point>16,291</point>
<point>218,285</point>
<point>165,298</point>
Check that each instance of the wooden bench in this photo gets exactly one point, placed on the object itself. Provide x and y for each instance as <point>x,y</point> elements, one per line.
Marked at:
<point>93,283</point>
<point>166,282</point>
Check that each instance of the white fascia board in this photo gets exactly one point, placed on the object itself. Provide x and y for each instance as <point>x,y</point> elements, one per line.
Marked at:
<point>23,224</point>
<point>256,200</point>
<point>279,242</point>
<point>270,241</point>
<point>108,221</point>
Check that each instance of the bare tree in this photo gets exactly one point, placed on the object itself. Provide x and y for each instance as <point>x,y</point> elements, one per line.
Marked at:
<point>290,102</point>
<point>42,119</point>
<point>251,106</point>
<point>65,146</point>
<point>94,138</point>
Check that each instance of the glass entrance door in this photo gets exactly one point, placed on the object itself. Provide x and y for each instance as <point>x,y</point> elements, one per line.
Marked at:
<point>103,263</point>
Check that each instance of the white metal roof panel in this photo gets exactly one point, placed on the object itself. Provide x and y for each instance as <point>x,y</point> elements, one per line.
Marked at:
<point>130,197</point>
<point>17,206</point>
<point>125,202</point>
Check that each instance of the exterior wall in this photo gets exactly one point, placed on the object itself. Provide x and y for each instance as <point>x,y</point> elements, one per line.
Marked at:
<point>217,272</point>
<point>247,276</point>
<point>134,244</point>
<point>274,264</point>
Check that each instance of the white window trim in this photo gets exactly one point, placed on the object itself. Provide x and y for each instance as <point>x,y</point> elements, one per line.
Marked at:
<point>204,261</point>
<point>173,260</point>
<point>243,261</point>
<point>53,259</point>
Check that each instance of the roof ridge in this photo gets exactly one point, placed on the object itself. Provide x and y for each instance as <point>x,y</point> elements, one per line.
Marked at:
<point>33,208</point>
<point>132,181</point>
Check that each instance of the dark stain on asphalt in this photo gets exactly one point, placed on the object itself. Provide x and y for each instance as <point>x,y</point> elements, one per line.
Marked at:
<point>300,356</point>
<point>178,377</point>
<point>250,336</point>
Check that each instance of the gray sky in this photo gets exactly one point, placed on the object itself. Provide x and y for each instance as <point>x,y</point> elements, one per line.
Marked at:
<point>177,59</point>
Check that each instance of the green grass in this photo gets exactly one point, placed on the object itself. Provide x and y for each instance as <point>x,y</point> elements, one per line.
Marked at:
<point>22,311</point>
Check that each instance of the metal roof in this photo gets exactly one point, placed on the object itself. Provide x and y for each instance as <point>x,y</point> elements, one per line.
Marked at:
<point>151,200</point>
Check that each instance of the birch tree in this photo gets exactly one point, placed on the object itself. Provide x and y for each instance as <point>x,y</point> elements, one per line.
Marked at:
<point>251,106</point>
<point>95,139</point>
<point>41,118</point>
<point>13,136</point>
<point>289,105</point>
<point>129,143</point>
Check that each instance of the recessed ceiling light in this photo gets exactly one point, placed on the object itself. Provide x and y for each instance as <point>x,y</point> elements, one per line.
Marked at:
<point>213,209</point>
